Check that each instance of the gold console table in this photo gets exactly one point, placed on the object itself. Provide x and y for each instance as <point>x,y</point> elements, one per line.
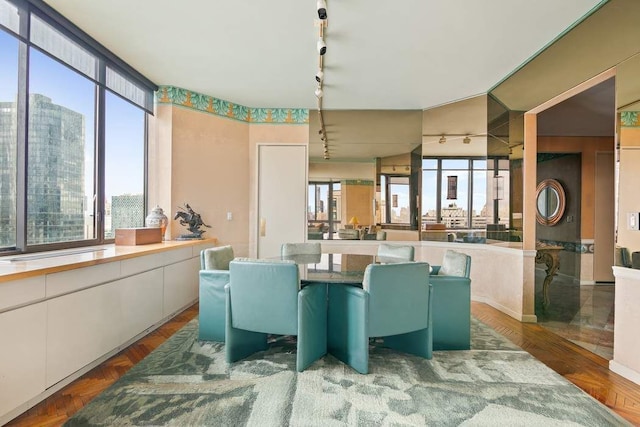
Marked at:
<point>548,255</point>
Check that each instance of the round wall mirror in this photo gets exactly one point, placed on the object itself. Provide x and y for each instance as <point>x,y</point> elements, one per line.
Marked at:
<point>550,202</point>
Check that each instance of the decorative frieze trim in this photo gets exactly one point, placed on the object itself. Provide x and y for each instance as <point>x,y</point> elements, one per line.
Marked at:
<point>629,119</point>
<point>219,107</point>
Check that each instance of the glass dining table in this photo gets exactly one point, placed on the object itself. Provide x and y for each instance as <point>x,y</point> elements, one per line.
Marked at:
<point>336,268</point>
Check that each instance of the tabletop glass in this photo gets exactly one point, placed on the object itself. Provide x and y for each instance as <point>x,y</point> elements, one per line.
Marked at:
<point>336,268</point>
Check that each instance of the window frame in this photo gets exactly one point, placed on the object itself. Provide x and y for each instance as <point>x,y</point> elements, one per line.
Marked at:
<point>104,58</point>
<point>439,179</point>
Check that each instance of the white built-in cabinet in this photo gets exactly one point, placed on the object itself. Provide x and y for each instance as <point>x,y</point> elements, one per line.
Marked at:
<point>54,327</point>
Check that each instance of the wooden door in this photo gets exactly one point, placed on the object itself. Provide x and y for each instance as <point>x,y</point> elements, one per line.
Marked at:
<point>604,232</point>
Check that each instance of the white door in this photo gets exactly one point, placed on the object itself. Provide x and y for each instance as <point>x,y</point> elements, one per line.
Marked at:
<point>282,196</point>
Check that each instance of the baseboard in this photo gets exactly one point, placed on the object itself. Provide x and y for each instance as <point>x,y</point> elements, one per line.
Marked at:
<point>623,371</point>
<point>525,318</point>
<point>4,419</point>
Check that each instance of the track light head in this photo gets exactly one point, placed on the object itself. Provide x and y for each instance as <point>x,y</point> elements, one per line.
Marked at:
<point>322,46</point>
<point>322,9</point>
<point>319,92</point>
<point>466,140</point>
<point>442,140</point>
<point>320,76</point>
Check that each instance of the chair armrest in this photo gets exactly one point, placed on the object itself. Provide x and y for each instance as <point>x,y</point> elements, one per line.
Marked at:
<point>451,312</point>
<point>348,326</point>
<point>214,277</point>
<point>435,269</point>
<point>312,324</point>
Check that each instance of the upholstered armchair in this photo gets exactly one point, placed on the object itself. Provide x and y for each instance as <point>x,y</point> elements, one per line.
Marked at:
<point>400,252</point>
<point>390,305</point>
<point>452,302</point>
<point>214,275</point>
<point>263,297</point>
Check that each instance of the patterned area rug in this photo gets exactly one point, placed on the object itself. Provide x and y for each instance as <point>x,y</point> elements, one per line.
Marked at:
<point>185,382</point>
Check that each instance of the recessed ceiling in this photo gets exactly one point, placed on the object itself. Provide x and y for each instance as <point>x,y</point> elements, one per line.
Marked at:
<point>410,54</point>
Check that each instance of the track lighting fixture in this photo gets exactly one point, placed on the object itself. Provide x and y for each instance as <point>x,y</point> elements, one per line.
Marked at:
<point>442,140</point>
<point>322,9</point>
<point>466,140</point>
<point>322,46</point>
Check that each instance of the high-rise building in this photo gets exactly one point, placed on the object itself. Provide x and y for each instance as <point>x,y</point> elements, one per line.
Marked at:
<point>8,150</point>
<point>126,212</point>
<point>55,178</point>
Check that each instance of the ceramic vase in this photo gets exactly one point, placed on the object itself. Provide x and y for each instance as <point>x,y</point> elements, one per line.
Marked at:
<point>157,219</point>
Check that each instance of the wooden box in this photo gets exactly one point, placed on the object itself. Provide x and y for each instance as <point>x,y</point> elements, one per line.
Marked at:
<point>138,236</point>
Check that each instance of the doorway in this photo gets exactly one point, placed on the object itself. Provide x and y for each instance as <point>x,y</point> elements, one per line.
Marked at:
<point>575,145</point>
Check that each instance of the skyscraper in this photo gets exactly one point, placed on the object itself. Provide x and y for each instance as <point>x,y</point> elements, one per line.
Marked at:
<point>55,176</point>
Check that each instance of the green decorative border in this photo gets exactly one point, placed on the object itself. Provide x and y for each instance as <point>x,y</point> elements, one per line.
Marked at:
<point>219,107</point>
<point>358,182</point>
<point>629,119</point>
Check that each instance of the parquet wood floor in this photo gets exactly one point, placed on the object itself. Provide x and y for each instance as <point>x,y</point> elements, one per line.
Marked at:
<point>586,370</point>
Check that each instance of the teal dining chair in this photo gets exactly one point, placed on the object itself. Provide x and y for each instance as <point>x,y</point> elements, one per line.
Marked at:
<point>402,252</point>
<point>390,305</point>
<point>452,302</point>
<point>263,297</point>
<point>214,275</point>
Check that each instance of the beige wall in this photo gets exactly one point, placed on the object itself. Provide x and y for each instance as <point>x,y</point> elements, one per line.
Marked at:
<point>628,199</point>
<point>587,147</point>
<point>208,161</point>
<point>357,200</point>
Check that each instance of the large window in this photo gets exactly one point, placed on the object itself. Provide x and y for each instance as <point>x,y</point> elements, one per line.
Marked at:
<point>124,152</point>
<point>454,192</point>
<point>395,199</point>
<point>324,207</point>
<point>61,141</point>
<point>72,134</point>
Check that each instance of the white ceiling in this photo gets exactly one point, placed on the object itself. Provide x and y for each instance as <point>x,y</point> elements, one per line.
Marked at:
<point>403,54</point>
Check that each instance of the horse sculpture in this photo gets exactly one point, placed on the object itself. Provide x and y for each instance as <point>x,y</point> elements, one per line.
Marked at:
<point>188,217</point>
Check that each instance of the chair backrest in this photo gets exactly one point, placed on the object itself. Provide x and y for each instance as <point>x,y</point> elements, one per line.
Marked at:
<point>455,264</point>
<point>217,258</point>
<point>264,295</point>
<point>309,248</point>
<point>398,297</point>
<point>403,252</point>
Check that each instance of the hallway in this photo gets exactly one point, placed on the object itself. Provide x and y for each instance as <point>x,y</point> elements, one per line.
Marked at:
<point>583,314</point>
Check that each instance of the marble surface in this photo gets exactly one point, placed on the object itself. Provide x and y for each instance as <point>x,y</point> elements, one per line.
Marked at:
<point>582,314</point>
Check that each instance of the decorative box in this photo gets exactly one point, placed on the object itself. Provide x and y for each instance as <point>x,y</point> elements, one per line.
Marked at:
<point>138,236</point>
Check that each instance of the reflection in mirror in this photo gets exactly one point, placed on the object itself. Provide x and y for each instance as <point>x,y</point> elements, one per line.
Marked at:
<point>550,202</point>
<point>628,108</point>
<point>363,146</point>
<point>463,190</point>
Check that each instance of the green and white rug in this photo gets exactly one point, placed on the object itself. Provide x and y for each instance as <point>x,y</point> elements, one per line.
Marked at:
<point>188,383</point>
